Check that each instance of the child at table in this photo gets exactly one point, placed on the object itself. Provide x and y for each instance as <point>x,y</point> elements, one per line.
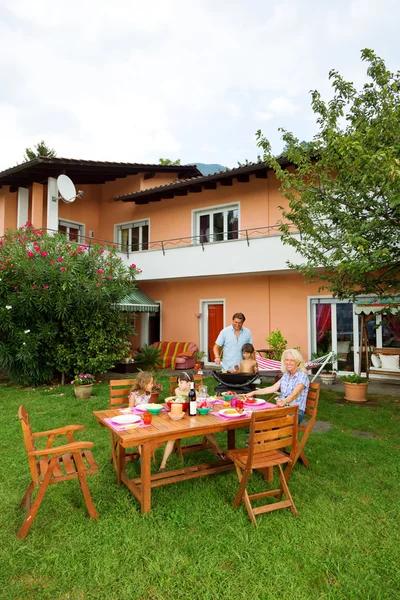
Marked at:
<point>249,363</point>
<point>141,389</point>
<point>184,380</point>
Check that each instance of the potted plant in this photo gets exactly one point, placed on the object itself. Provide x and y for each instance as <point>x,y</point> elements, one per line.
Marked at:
<point>355,387</point>
<point>327,375</point>
<point>155,392</point>
<point>199,364</point>
<point>148,358</point>
<point>83,385</point>
<point>277,344</point>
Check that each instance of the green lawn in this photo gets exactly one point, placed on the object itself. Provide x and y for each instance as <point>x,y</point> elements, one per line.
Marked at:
<point>345,543</point>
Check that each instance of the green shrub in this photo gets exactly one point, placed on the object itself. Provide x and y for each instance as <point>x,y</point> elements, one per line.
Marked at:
<point>58,306</point>
<point>277,343</point>
<point>353,378</point>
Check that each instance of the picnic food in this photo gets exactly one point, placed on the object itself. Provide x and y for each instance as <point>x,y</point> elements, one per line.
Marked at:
<point>230,411</point>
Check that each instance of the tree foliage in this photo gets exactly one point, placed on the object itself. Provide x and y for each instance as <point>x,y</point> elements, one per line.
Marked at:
<point>344,193</point>
<point>169,162</point>
<point>58,309</point>
<point>41,149</point>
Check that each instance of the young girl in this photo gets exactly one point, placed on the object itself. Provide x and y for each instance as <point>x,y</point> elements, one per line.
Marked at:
<point>248,364</point>
<point>141,389</point>
<point>184,380</point>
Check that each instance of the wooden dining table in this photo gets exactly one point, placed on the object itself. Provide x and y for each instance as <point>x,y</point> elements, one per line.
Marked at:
<point>161,430</point>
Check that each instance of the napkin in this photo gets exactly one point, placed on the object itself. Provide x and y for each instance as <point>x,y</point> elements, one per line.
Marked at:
<point>126,427</point>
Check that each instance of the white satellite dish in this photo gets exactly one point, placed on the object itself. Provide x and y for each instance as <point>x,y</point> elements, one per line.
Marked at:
<point>66,189</point>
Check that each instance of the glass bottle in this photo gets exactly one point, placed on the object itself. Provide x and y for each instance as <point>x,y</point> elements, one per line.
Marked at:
<point>192,400</point>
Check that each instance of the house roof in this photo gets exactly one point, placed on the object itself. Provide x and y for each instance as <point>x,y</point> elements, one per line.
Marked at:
<point>198,183</point>
<point>84,171</point>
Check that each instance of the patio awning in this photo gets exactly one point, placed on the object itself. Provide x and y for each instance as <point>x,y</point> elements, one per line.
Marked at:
<point>138,301</point>
<point>367,308</point>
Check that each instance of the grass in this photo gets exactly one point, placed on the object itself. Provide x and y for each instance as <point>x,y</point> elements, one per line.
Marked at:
<point>194,544</point>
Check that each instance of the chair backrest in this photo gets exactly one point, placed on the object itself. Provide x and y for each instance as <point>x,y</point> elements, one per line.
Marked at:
<point>312,401</point>
<point>119,392</point>
<point>273,429</point>
<point>29,441</point>
<point>173,383</point>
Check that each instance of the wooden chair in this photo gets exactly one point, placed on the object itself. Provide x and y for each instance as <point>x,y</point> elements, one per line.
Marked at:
<point>271,432</point>
<point>198,380</point>
<point>305,430</point>
<point>119,398</point>
<point>119,392</point>
<point>53,465</point>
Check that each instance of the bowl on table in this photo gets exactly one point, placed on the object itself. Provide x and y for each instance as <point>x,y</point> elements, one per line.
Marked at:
<point>204,410</point>
<point>154,409</point>
<point>185,405</point>
<point>177,417</point>
<point>228,395</point>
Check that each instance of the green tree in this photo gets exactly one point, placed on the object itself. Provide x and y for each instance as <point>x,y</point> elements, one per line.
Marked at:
<point>168,161</point>
<point>41,149</point>
<point>344,193</point>
<point>58,306</point>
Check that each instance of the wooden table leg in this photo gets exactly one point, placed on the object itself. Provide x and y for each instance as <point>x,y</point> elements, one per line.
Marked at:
<point>145,479</point>
<point>121,466</point>
<point>231,439</point>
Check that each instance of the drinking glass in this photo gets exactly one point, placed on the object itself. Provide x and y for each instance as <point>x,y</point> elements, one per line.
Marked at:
<point>147,417</point>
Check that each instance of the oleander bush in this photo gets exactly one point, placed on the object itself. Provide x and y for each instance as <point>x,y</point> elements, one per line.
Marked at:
<point>58,306</point>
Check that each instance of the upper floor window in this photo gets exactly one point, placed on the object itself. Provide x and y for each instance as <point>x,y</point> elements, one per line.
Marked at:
<point>73,231</point>
<point>217,224</point>
<point>133,237</point>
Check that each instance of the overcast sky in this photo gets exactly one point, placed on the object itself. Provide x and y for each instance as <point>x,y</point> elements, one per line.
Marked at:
<point>135,81</point>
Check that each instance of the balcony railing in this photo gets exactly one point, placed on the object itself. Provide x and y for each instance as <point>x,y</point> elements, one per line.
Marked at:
<point>181,242</point>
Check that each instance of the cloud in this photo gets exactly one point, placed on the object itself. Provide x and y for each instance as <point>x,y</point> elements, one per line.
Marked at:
<point>135,81</point>
<point>277,107</point>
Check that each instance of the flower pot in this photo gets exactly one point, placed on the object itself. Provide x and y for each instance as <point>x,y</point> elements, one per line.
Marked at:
<point>328,377</point>
<point>154,397</point>
<point>83,391</point>
<point>355,392</point>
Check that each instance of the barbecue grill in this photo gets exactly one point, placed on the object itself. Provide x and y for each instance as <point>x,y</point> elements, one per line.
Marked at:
<point>237,382</point>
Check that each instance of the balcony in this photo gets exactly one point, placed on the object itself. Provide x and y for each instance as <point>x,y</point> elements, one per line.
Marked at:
<point>256,251</point>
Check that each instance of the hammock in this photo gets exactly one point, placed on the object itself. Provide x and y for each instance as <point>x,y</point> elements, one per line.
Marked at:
<point>266,364</point>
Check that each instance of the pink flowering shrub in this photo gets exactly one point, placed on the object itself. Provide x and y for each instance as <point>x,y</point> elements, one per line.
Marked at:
<point>60,318</point>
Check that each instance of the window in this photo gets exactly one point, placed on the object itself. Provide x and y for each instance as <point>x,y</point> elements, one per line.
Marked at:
<point>133,237</point>
<point>73,231</point>
<point>217,224</point>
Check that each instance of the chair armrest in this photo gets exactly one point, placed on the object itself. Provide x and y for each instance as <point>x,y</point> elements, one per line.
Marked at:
<point>187,354</point>
<point>59,450</point>
<point>59,431</point>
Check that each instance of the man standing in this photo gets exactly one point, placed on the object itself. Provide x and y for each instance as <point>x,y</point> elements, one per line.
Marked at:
<point>231,339</point>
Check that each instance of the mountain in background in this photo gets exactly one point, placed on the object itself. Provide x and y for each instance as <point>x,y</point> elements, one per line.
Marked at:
<point>208,169</point>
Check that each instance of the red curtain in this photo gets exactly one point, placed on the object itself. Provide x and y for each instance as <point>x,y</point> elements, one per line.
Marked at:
<point>215,323</point>
<point>393,324</point>
<point>323,320</point>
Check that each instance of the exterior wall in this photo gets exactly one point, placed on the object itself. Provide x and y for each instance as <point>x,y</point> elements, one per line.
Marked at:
<point>268,302</point>
<point>97,210</point>
<point>8,209</point>
<point>84,210</point>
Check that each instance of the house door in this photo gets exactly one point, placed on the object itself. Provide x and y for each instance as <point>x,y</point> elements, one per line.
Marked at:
<point>213,322</point>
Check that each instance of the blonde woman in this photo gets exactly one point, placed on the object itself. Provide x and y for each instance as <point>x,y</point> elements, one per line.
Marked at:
<point>293,385</point>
